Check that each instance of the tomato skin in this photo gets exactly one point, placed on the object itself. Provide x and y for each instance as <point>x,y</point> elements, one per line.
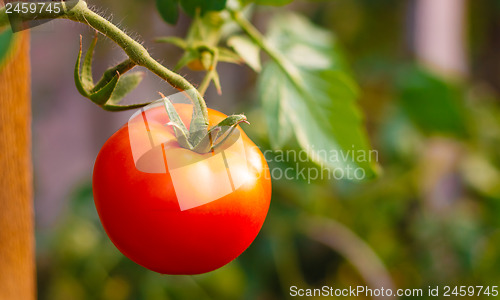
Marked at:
<point>141,215</point>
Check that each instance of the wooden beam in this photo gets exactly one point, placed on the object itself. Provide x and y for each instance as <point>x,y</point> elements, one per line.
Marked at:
<point>17,242</point>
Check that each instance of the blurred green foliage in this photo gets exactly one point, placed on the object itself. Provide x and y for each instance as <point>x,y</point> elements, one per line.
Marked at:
<point>434,105</point>
<point>432,216</point>
<point>170,13</point>
<point>5,43</point>
<point>311,97</point>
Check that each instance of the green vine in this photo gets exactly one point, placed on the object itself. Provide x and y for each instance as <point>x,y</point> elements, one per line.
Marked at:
<point>260,41</point>
<point>102,93</point>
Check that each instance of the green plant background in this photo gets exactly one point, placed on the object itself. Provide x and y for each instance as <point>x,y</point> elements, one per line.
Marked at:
<point>444,231</point>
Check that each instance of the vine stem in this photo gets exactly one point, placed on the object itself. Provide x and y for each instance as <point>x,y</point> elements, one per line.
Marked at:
<point>77,10</point>
<point>345,242</point>
<point>260,40</point>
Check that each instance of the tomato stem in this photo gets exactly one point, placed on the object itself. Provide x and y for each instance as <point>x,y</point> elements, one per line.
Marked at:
<point>199,137</point>
<point>78,11</point>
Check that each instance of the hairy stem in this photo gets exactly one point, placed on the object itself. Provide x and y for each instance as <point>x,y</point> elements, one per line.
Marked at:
<point>78,11</point>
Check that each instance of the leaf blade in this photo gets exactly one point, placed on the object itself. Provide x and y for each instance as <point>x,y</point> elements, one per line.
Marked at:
<point>181,132</point>
<point>6,42</point>
<point>247,50</point>
<point>125,85</point>
<point>190,6</point>
<point>76,74</point>
<point>432,104</point>
<point>103,95</point>
<point>168,10</point>
<point>316,103</point>
<point>86,77</point>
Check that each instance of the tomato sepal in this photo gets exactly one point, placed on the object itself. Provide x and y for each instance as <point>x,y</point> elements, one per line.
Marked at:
<point>114,84</point>
<point>180,130</point>
<point>78,80</point>
<point>103,95</point>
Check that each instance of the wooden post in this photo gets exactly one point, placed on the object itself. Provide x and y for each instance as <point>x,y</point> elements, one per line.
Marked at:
<point>17,243</point>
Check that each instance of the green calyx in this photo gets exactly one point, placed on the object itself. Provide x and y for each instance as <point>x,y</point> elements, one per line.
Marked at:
<point>201,49</point>
<point>200,141</point>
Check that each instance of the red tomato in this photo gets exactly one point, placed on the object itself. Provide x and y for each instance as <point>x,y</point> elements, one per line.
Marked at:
<point>141,214</point>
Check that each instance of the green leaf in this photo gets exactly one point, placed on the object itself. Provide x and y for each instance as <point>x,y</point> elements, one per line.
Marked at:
<point>187,57</point>
<point>86,77</point>
<point>112,107</point>
<point>226,127</point>
<point>78,80</point>
<point>180,130</point>
<point>226,55</point>
<point>304,44</point>
<point>177,41</point>
<point>218,134</point>
<point>206,143</point>
<point>190,6</point>
<point>103,95</point>
<point>274,89</point>
<point>315,102</point>
<point>110,73</point>
<point>247,50</point>
<point>267,2</point>
<point>432,104</point>
<point>6,41</point>
<point>111,88</point>
<point>125,85</point>
<point>198,127</point>
<point>273,2</point>
<point>168,10</point>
